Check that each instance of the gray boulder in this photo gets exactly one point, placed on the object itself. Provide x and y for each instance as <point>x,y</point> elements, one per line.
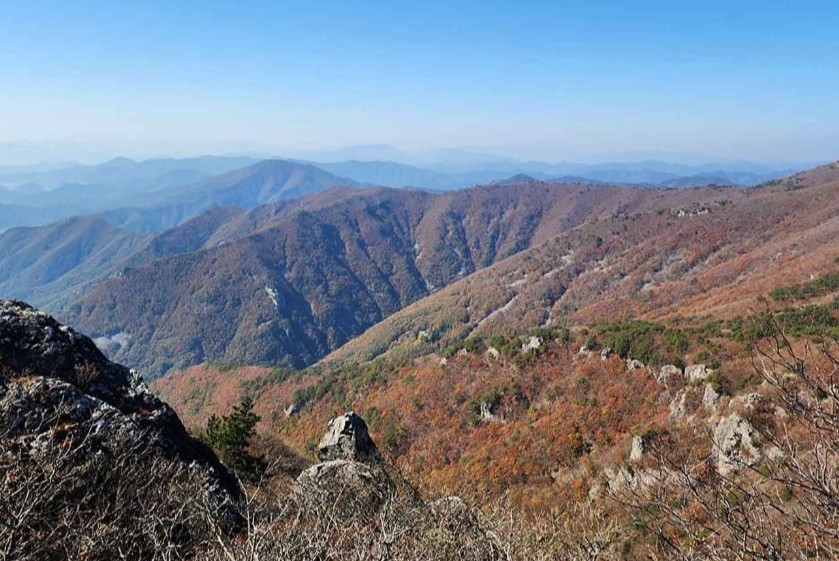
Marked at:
<point>343,487</point>
<point>351,477</point>
<point>532,344</point>
<point>710,399</point>
<point>637,452</point>
<point>737,444</point>
<point>634,364</point>
<point>697,373</point>
<point>667,372</point>
<point>680,404</point>
<point>347,438</point>
<point>349,474</point>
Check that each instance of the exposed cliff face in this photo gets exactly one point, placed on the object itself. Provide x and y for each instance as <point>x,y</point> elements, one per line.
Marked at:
<point>85,435</point>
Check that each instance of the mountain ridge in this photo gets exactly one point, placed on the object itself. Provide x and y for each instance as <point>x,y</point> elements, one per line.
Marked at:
<point>54,264</point>
<point>598,272</point>
<point>306,276</point>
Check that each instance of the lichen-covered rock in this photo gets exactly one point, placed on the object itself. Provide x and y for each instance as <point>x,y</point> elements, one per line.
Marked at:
<point>680,403</point>
<point>736,442</point>
<point>342,486</point>
<point>348,474</point>
<point>640,443</point>
<point>606,353</point>
<point>493,353</point>
<point>53,376</point>
<point>697,373</point>
<point>347,438</point>
<point>532,344</point>
<point>667,372</point>
<point>710,399</point>
<point>62,401</point>
<point>634,364</point>
<point>351,476</point>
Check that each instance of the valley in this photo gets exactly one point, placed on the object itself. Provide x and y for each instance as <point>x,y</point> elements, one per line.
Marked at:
<point>511,347</point>
<point>419,281</point>
<point>289,283</point>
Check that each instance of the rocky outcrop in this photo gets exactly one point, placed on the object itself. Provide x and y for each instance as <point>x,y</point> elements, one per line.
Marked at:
<point>351,475</point>
<point>640,444</point>
<point>63,403</point>
<point>620,479</point>
<point>634,364</point>
<point>697,373</point>
<point>710,399</point>
<point>736,442</point>
<point>340,476</point>
<point>51,375</point>
<point>668,372</point>
<point>532,344</point>
<point>584,353</point>
<point>606,353</point>
<point>485,412</point>
<point>680,404</point>
<point>347,438</point>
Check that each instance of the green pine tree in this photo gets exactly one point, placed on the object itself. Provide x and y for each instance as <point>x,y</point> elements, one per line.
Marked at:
<point>230,436</point>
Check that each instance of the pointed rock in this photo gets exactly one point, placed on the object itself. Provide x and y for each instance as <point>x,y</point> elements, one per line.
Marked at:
<point>347,438</point>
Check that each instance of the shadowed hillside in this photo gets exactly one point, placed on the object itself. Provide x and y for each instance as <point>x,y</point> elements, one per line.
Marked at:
<point>288,283</point>
<point>701,259</point>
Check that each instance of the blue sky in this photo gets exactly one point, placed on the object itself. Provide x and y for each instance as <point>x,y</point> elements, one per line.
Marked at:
<point>550,80</point>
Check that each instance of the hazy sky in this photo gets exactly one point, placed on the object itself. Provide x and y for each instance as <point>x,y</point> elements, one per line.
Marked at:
<point>551,80</point>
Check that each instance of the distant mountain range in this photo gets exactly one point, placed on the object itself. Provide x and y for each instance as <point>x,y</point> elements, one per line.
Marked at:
<point>124,174</point>
<point>42,196</point>
<point>283,262</point>
<point>261,183</point>
<point>154,194</point>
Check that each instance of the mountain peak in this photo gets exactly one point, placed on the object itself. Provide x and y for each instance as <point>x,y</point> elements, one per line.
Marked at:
<point>517,179</point>
<point>118,162</point>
